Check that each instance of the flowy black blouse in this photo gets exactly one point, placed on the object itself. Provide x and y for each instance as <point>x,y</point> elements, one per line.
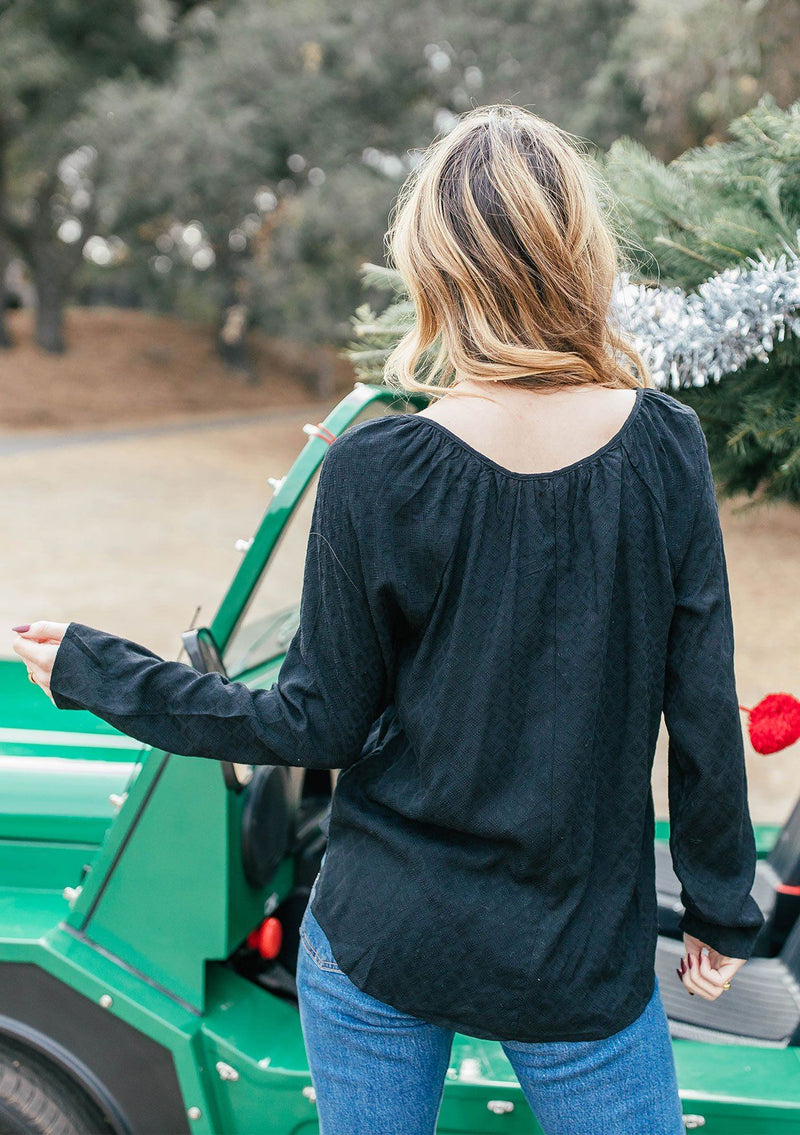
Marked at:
<point>486,655</point>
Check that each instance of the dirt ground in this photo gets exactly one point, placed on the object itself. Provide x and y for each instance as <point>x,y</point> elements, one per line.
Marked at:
<point>131,527</point>
<point>125,367</point>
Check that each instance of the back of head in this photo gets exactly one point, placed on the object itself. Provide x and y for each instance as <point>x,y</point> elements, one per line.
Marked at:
<point>502,240</point>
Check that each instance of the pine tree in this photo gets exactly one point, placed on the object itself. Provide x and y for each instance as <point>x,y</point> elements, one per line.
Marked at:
<point>681,223</point>
<point>714,205</point>
<point>706,211</point>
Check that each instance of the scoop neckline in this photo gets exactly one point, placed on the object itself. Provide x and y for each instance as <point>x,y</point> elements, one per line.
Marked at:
<point>611,443</point>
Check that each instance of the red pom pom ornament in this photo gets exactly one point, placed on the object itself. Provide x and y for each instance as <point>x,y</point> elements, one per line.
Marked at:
<point>774,723</point>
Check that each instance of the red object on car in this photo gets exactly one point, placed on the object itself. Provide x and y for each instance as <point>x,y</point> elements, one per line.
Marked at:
<point>267,938</point>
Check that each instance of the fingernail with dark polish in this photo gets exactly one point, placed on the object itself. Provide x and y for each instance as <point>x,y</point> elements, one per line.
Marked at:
<point>21,629</point>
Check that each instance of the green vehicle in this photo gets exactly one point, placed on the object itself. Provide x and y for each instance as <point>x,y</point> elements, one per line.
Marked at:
<point>150,906</point>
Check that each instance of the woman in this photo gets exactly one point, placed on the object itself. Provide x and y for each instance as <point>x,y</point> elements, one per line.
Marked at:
<point>501,595</point>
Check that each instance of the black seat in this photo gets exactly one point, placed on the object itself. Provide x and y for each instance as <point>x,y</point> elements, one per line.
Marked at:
<point>762,1006</point>
<point>776,889</point>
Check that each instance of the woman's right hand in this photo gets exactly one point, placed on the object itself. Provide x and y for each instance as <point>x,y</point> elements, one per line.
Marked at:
<point>704,970</point>
<point>37,645</point>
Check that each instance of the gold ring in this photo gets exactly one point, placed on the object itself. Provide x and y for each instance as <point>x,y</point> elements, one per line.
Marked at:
<point>31,678</point>
<point>727,985</point>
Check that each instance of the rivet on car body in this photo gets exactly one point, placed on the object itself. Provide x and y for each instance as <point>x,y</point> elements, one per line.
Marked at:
<point>469,1068</point>
<point>500,1107</point>
<point>71,894</point>
<point>226,1072</point>
<point>117,799</point>
<point>194,1113</point>
<point>106,1001</point>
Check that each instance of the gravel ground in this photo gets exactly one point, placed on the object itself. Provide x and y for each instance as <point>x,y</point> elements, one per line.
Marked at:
<point>130,530</point>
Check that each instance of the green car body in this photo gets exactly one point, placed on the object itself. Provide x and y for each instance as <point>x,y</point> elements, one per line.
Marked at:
<point>125,906</point>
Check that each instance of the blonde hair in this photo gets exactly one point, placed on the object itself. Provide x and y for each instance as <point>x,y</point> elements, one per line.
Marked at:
<point>500,236</point>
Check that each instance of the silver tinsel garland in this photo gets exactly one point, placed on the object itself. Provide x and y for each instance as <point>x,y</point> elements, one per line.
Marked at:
<point>736,316</point>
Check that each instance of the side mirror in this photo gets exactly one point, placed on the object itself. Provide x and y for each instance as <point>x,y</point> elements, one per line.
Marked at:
<point>203,651</point>
<point>204,655</point>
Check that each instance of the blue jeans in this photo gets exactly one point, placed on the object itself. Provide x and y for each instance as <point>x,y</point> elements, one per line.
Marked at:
<point>377,1071</point>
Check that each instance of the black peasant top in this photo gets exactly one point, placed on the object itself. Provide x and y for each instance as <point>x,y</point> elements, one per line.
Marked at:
<point>486,655</point>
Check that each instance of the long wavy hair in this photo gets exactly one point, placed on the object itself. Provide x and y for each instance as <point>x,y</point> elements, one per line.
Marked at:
<point>502,236</point>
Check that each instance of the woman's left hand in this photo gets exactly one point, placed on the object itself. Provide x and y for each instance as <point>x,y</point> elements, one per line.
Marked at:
<point>706,973</point>
<point>37,648</point>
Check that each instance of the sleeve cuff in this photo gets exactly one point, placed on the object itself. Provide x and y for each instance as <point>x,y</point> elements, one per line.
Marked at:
<point>68,675</point>
<point>732,941</point>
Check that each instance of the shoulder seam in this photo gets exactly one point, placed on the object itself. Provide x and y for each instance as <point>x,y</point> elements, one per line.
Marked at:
<point>350,435</point>
<point>674,403</point>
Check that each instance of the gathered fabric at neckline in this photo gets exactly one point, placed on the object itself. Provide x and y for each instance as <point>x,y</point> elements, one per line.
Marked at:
<point>498,468</point>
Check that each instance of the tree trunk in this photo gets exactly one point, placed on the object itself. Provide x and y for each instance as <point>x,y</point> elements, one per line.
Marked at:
<point>231,337</point>
<point>49,310</point>
<point>324,374</point>
<point>52,263</point>
<point>5,335</point>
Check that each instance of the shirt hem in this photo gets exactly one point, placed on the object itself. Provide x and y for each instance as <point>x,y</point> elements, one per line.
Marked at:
<point>473,1029</point>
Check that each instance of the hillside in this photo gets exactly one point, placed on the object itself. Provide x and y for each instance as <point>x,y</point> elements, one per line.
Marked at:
<point>124,367</point>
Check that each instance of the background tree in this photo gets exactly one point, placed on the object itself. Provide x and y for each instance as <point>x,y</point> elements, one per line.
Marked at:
<point>52,52</point>
<point>283,134</point>
<point>691,66</point>
<point>235,161</point>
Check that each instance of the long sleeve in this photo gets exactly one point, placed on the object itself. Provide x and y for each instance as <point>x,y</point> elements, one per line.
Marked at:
<point>335,679</point>
<point>711,835</point>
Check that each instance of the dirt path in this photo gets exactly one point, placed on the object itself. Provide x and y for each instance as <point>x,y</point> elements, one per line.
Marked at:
<point>131,529</point>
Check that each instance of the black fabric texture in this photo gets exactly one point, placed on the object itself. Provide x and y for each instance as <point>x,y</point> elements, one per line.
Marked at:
<point>486,655</point>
